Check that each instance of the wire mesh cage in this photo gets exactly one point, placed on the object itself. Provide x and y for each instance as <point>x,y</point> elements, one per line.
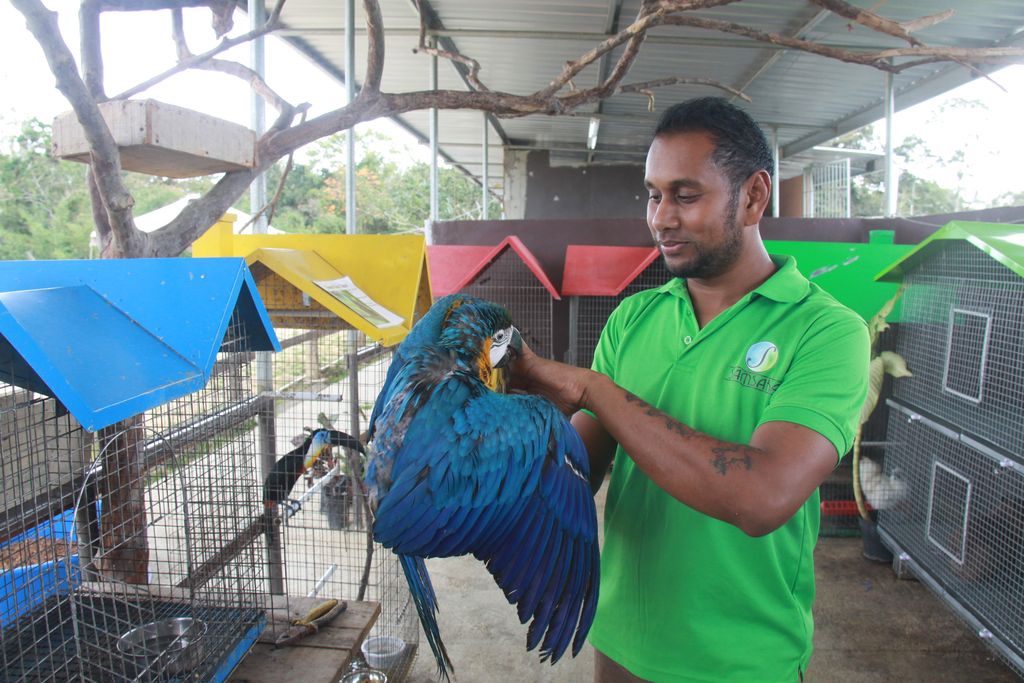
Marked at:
<point>320,544</point>
<point>962,335</point>
<point>132,554</point>
<point>508,281</point>
<point>588,314</point>
<point>962,524</point>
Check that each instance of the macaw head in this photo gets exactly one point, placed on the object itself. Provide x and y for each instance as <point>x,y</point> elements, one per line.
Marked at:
<point>318,445</point>
<point>480,334</point>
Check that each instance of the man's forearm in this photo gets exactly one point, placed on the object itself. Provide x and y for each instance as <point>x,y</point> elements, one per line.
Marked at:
<point>729,481</point>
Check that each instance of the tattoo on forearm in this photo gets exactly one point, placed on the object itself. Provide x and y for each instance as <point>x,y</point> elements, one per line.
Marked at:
<point>726,455</point>
<point>671,424</point>
<point>725,459</point>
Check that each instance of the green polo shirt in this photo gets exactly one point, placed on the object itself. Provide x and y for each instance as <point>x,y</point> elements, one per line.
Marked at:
<point>685,597</point>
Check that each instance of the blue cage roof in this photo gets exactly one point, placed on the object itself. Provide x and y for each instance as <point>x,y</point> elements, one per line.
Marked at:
<point>112,338</point>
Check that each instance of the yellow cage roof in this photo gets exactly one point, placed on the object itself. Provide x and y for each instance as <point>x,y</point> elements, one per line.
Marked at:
<point>377,284</point>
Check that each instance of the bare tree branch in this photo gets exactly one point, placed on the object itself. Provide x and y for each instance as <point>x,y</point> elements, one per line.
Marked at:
<point>105,158</point>
<point>559,96</point>
<point>374,50</point>
<point>92,53</point>
<point>255,81</point>
<point>272,23</point>
<point>876,22</point>
<point>473,75</point>
<point>270,207</point>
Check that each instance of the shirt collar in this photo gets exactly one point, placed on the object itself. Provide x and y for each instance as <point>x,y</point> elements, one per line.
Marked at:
<point>786,285</point>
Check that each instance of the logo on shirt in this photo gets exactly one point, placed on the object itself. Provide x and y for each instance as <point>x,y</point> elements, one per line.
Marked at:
<point>762,356</point>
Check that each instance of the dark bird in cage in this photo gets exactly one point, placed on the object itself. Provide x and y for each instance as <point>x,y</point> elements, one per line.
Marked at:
<point>457,467</point>
<point>289,468</point>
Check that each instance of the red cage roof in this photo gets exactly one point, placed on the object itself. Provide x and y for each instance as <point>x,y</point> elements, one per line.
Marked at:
<point>592,270</point>
<point>454,266</point>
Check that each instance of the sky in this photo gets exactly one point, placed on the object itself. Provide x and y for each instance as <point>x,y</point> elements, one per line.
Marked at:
<point>989,138</point>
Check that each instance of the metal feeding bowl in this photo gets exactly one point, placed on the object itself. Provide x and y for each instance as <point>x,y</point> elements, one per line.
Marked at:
<point>365,676</point>
<point>176,643</point>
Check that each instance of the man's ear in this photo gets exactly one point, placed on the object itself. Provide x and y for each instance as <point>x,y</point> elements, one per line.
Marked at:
<point>755,195</point>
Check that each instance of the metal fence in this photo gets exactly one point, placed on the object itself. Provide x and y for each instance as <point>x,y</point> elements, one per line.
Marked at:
<point>328,375</point>
<point>827,190</point>
<point>131,554</point>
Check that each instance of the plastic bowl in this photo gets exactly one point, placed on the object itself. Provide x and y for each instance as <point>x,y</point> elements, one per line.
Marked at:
<point>382,652</point>
<point>177,642</point>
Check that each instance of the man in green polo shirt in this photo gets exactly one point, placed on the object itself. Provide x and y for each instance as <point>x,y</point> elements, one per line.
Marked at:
<point>726,397</point>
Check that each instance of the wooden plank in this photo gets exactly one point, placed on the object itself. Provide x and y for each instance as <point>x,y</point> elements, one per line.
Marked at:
<point>161,139</point>
<point>321,657</point>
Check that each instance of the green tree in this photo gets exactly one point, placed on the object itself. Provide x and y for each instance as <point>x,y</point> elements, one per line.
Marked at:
<point>45,211</point>
<point>916,196</point>
<point>44,207</point>
<point>392,195</point>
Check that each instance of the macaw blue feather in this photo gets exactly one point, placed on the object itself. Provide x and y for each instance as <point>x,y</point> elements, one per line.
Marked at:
<point>458,469</point>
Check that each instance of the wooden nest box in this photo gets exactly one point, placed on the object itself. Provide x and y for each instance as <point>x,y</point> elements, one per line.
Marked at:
<point>161,139</point>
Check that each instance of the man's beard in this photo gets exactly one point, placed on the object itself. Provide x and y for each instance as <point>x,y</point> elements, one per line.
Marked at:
<point>711,261</point>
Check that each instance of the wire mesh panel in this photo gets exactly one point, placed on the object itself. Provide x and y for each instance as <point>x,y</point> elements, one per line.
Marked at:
<point>320,542</point>
<point>962,335</point>
<point>43,456</point>
<point>154,540</point>
<point>588,314</point>
<point>827,190</point>
<point>509,282</point>
<point>962,523</point>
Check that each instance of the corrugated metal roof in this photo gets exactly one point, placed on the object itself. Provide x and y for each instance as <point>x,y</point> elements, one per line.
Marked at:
<point>113,338</point>
<point>805,99</point>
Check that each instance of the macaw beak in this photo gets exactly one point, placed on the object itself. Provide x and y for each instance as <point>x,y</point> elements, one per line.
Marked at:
<point>512,351</point>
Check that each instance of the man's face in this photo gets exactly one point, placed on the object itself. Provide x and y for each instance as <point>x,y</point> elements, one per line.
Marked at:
<point>691,208</point>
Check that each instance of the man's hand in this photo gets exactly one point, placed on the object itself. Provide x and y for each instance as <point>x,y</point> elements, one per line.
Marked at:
<point>563,385</point>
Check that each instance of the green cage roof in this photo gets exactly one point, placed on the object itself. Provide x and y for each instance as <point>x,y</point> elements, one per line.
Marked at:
<point>1001,241</point>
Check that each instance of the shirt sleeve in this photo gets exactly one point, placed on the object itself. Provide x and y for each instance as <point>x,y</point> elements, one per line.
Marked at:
<point>825,386</point>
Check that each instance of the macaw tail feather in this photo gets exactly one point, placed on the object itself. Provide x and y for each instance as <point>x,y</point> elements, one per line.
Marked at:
<point>426,606</point>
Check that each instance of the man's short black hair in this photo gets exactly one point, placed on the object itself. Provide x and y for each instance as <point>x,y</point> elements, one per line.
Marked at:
<point>740,146</point>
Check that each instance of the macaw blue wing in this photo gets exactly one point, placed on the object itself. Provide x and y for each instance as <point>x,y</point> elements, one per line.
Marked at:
<point>460,469</point>
<point>425,332</point>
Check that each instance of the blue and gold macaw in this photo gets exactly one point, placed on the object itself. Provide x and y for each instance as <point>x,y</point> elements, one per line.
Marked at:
<point>456,467</point>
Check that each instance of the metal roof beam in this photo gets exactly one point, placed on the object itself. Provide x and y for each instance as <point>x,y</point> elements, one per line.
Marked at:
<point>777,55</point>
<point>435,29</point>
<point>917,92</point>
<point>583,36</point>
<point>650,120</point>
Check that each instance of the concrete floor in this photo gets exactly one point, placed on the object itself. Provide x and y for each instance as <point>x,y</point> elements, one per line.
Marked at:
<point>871,627</point>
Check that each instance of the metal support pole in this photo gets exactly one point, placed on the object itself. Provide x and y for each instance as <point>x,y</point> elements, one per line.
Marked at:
<point>266,419</point>
<point>258,110</point>
<point>775,171</point>
<point>485,176</point>
<point>350,226</point>
<point>433,138</point>
<point>350,137</point>
<point>890,166</point>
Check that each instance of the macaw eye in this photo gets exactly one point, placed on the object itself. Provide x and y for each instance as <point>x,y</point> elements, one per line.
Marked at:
<point>500,336</point>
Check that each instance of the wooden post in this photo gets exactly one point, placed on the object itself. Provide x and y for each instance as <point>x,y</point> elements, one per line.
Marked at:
<point>125,548</point>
